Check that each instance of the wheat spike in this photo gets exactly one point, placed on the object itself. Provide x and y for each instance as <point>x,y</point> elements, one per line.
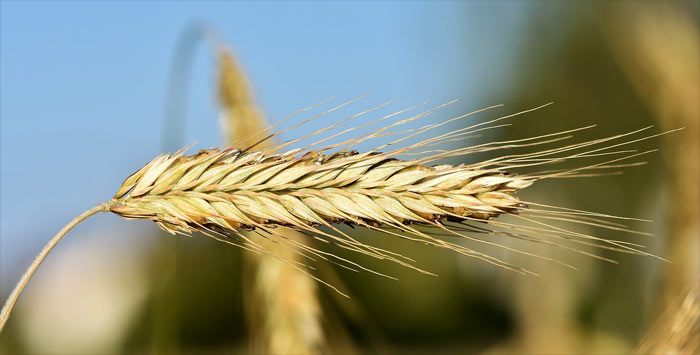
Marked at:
<point>221,191</point>
<point>225,189</point>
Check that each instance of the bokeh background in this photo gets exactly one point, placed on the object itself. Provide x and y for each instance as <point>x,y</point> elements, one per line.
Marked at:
<point>89,92</point>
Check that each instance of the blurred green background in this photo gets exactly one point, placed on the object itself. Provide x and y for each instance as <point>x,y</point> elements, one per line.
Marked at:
<point>84,84</point>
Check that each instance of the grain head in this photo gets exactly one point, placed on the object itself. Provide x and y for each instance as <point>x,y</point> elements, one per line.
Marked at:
<point>314,189</point>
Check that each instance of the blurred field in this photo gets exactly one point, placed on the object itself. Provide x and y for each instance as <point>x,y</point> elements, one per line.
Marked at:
<point>85,85</point>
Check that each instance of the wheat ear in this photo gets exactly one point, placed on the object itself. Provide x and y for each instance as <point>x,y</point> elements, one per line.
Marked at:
<point>12,299</point>
<point>227,189</point>
<point>221,191</point>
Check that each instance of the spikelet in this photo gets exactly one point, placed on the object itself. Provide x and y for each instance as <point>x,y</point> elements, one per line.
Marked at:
<point>222,191</point>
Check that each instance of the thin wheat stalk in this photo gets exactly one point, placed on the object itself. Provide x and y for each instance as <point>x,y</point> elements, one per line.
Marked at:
<point>311,189</point>
<point>12,299</point>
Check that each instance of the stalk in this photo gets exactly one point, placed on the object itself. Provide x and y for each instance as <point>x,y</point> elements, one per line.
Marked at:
<point>12,299</point>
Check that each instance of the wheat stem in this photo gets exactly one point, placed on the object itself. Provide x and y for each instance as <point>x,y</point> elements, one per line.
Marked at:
<point>12,299</point>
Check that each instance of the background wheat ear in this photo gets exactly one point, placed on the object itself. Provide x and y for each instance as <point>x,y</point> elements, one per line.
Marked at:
<point>284,312</point>
<point>677,330</point>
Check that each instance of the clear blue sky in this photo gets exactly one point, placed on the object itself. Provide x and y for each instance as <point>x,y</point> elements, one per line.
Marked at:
<point>83,84</point>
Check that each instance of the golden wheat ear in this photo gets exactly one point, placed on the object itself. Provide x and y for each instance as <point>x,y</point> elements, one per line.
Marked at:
<point>314,188</point>
<point>396,188</point>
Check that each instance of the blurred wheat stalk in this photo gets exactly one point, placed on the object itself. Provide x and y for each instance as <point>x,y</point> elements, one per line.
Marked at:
<point>658,47</point>
<point>283,306</point>
<point>657,44</point>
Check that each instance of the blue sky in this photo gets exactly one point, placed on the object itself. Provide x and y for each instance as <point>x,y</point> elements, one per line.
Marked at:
<point>83,84</point>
